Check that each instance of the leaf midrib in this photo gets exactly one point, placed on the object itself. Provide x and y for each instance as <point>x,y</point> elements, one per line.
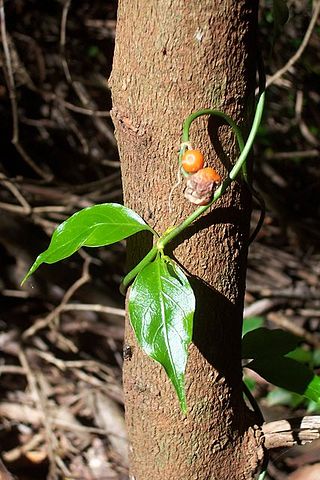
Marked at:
<point>159,265</point>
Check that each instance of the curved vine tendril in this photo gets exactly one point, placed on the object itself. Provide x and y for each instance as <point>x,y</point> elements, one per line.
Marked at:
<point>233,174</point>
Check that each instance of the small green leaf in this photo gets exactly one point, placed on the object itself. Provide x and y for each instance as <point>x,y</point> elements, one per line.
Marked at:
<point>289,374</point>
<point>251,323</point>
<point>94,226</point>
<point>266,343</point>
<point>313,407</point>
<point>302,355</point>
<point>250,383</point>
<point>161,308</point>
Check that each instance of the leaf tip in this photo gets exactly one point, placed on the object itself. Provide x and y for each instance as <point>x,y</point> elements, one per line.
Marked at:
<point>25,278</point>
<point>183,406</point>
<point>31,270</point>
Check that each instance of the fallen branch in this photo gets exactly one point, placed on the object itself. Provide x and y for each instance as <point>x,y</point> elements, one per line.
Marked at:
<point>294,431</point>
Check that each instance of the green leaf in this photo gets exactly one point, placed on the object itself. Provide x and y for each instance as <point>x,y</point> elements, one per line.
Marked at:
<point>94,226</point>
<point>251,323</point>
<point>302,356</point>
<point>250,383</point>
<point>289,374</point>
<point>316,357</point>
<point>313,407</point>
<point>280,396</point>
<point>266,343</point>
<point>161,309</point>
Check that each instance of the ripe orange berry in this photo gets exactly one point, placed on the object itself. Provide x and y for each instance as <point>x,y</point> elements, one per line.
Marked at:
<point>209,174</point>
<point>192,161</point>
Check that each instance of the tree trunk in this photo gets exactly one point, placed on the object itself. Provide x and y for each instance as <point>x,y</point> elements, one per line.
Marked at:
<point>174,57</point>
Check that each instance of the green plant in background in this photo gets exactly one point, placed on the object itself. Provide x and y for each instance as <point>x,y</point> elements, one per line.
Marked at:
<point>278,357</point>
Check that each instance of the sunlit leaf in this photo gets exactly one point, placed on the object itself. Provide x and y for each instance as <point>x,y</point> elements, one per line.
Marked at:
<point>94,226</point>
<point>161,308</point>
<point>251,323</point>
<point>301,355</point>
<point>250,382</point>
<point>289,374</point>
<point>313,407</point>
<point>266,343</point>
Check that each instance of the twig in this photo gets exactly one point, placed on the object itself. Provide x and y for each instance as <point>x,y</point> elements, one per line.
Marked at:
<point>88,307</point>
<point>51,440</point>
<point>16,192</point>
<point>44,322</point>
<point>84,111</point>
<point>63,40</point>
<point>9,74</point>
<point>283,322</point>
<point>13,99</point>
<point>39,399</point>
<point>294,431</point>
<point>295,154</point>
<point>85,277</point>
<point>91,111</point>
<point>17,452</point>
<point>12,369</point>
<point>305,132</point>
<point>72,125</point>
<point>12,208</point>
<point>88,102</point>
<point>91,366</point>
<point>4,473</point>
<point>38,53</point>
<point>66,472</point>
<point>300,50</point>
<point>260,307</point>
<point>51,209</point>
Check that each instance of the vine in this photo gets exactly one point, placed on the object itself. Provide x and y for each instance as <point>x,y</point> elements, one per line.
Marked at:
<point>161,302</point>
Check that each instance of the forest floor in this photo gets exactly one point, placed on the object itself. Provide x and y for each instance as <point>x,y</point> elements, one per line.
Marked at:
<point>61,404</point>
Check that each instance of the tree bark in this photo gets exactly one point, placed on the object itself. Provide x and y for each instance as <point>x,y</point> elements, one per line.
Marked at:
<point>173,57</point>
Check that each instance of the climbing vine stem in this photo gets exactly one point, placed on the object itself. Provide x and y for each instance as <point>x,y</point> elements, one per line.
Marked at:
<point>233,174</point>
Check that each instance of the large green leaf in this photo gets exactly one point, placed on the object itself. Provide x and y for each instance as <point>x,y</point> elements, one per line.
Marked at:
<point>94,226</point>
<point>161,308</point>
<point>266,343</point>
<point>289,374</point>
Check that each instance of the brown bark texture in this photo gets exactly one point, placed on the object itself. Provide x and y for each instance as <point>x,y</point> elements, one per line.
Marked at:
<point>173,57</point>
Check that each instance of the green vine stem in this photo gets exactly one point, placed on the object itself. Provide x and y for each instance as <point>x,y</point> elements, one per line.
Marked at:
<point>207,111</point>
<point>244,151</point>
<point>165,239</point>
<point>140,266</point>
